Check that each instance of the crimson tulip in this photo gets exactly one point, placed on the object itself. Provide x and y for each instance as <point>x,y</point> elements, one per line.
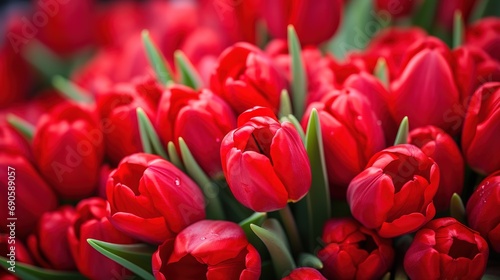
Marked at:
<point>49,242</point>
<point>265,162</point>
<point>394,194</point>
<point>485,33</point>
<point>302,273</point>
<point>396,8</point>
<point>246,77</point>
<point>207,250</point>
<point>353,251</point>
<point>446,11</point>
<point>202,119</point>
<point>13,141</point>
<point>91,221</point>
<point>439,146</point>
<point>446,249</point>
<point>482,210</point>
<point>148,190</point>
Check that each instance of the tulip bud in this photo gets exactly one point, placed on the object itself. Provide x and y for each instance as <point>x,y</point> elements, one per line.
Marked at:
<point>482,210</point>
<point>246,77</point>
<point>485,34</point>
<point>265,162</point>
<point>201,119</point>
<point>446,249</point>
<point>150,191</point>
<point>49,243</point>
<point>207,250</point>
<point>301,273</point>
<point>395,191</point>
<point>482,129</point>
<point>68,149</point>
<point>12,141</point>
<point>353,251</point>
<point>91,222</point>
<point>439,146</point>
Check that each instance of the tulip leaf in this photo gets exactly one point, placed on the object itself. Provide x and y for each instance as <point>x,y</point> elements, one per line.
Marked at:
<point>309,260</point>
<point>134,257</point>
<point>484,8</point>
<point>174,156</point>
<point>256,218</point>
<point>214,207</point>
<point>30,272</point>
<point>381,72</point>
<point>43,59</point>
<point>280,255</point>
<point>156,59</point>
<point>424,17</point>
<point>315,208</point>
<point>299,78</point>
<point>188,75</point>
<point>403,131</point>
<point>288,221</point>
<point>71,91</point>
<point>458,29</point>
<point>457,209</point>
<point>26,129</point>
<point>150,140</point>
<point>285,104</point>
<point>296,124</point>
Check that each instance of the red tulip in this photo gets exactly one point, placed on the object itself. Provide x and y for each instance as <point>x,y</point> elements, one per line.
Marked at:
<point>246,77</point>
<point>446,249</point>
<point>49,243</point>
<point>202,119</point>
<point>485,34</point>
<point>446,11</point>
<point>265,162</point>
<point>481,129</point>
<point>13,141</point>
<point>439,146</point>
<point>207,250</point>
<point>351,135</point>
<point>302,273</point>
<point>353,251</point>
<point>396,8</point>
<point>68,149</point>
<point>482,210</point>
<point>395,192</point>
<point>92,222</point>
<point>314,24</point>
<point>149,191</point>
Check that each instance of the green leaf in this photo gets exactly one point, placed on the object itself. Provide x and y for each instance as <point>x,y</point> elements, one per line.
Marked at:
<point>291,229</point>
<point>485,8</point>
<point>296,124</point>
<point>43,59</point>
<point>71,91</point>
<point>150,140</point>
<point>280,255</point>
<point>403,131</point>
<point>25,128</point>
<point>309,260</point>
<point>285,104</point>
<point>134,257</point>
<point>424,17</point>
<point>458,29</point>
<point>174,156</point>
<point>315,209</point>
<point>188,75</point>
<point>381,72</point>
<point>299,78</point>
<point>156,59</point>
<point>457,209</point>
<point>214,206</point>
<point>256,218</point>
<point>30,272</point>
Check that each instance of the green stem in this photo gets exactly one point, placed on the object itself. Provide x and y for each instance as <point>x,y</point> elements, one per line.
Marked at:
<point>291,229</point>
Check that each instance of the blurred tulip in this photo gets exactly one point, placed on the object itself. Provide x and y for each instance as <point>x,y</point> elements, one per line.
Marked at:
<point>446,11</point>
<point>302,273</point>
<point>12,141</point>
<point>207,250</point>
<point>485,34</point>
<point>446,249</point>
<point>396,8</point>
<point>265,162</point>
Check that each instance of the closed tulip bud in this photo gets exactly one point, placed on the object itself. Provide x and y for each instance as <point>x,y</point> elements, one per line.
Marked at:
<point>49,243</point>
<point>446,249</point>
<point>69,150</point>
<point>265,162</point>
<point>354,252</point>
<point>32,196</point>
<point>202,119</point>
<point>439,146</point>
<point>303,273</point>
<point>246,77</point>
<point>149,191</point>
<point>208,250</point>
<point>395,192</point>
<point>91,222</point>
<point>351,134</point>
<point>482,210</point>
<point>485,33</point>
<point>481,129</point>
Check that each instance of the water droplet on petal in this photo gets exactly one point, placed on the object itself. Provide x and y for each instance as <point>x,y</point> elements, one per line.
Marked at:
<point>217,140</point>
<point>203,238</point>
<point>359,118</point>
<point>177,181</point>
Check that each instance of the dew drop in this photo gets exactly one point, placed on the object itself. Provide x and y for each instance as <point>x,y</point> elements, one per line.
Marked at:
<point>203,238</point>
<point>359,118</point>
<point>482,187</point>
<point>217,140</point>
<point>487,183</point>
<point>177,181</point>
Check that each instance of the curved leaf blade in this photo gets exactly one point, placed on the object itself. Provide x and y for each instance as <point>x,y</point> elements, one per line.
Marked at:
<point>403,131</point>
<point>23,127</point>
<point>156,59</point>
<point>299,78</point>
<point>30,272</point>
<point>188,75</point>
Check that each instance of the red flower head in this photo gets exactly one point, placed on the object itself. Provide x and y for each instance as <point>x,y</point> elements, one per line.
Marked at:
<point>485,34</point>
<point>303,273</point>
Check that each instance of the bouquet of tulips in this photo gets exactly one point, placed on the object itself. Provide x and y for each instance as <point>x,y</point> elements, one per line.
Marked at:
<point>250,139</point>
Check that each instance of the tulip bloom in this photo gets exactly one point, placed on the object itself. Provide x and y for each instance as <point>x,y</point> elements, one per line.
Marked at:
<point>439,146</point>
<point>265,162</point>
<point>481,129</point>
<point>49,243</point>
<point>351,134</point>
<point>304,273</point>
<point>246,77</point>
<point>149,191</point>
<point>446,249</point>
<point>485,33</point>
<point>482,210</point>
<point>91,222</point>
<point>201,119</point>
<point>353,251</point>
<point>207,250</point>
<point>68,150</point>
<point>394,194</point>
